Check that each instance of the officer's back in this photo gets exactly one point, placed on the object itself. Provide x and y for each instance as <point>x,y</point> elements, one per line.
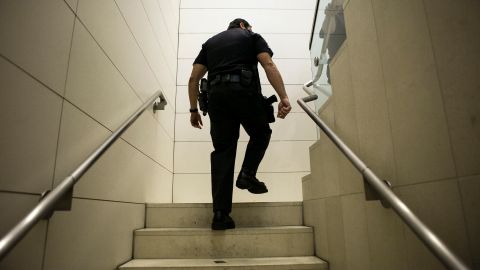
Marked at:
<point>230,51</point>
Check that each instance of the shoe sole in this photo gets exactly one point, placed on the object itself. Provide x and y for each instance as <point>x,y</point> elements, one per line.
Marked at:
<point>254,191</point>
<point>251,188</point>
<point>221,227</point>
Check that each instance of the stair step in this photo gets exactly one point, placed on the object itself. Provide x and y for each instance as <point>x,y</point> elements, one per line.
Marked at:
<point>198,215</point>
<point>276,263</point>
<point>193,243</point>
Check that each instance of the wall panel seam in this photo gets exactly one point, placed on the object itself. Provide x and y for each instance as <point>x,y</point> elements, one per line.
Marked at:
<point>157,39</point>
<point>121,138</point>
<point>380,54</point>
<point>110,59</point>
<point>176,98</point>
<point>166,26</point>
<point>440,88</point>
<point>31,75</point>
<point>140,48</point>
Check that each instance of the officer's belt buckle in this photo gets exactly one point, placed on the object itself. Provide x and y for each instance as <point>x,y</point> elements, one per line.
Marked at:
<point>226,78</point>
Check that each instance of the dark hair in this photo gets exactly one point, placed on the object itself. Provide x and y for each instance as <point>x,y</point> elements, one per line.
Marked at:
<point>236,23</point>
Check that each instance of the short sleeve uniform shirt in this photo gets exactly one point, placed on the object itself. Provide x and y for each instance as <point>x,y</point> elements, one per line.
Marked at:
<point>231,50</point>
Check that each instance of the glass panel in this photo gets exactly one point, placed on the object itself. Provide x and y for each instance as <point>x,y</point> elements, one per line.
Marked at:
<point>328,35</point>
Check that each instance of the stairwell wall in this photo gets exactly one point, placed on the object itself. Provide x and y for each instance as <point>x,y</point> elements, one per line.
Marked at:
<point>71,73</point>
<point>405,98</point>
<point>286,26</point>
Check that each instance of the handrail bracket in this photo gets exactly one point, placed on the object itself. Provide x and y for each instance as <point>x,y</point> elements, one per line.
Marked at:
<point>64,204</point>
<point>372,195</point>
<point>160,105</point>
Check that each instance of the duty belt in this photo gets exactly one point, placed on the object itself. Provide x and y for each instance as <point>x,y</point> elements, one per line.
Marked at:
<point>225,78</point>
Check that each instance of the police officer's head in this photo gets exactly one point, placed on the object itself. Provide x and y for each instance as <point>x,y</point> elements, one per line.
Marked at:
<point>239,23</point>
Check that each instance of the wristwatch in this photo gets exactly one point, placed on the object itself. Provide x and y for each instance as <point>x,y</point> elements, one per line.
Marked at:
<point>194,110</point>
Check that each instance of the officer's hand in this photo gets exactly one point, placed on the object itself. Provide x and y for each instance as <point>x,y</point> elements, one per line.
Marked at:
<point>283,108</point>
<point>196,120</point>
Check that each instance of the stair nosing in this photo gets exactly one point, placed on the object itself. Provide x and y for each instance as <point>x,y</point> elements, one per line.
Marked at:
<point>235,205</point>
<point>237,231</point>
<point>262,261</point>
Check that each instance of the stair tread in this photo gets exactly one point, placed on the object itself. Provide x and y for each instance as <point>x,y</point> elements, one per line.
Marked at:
<point>234,205</point>
<point>208,231</point>
<point>225,262</point>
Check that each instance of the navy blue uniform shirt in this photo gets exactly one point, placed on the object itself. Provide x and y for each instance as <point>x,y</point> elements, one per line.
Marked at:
<point>231,50</point>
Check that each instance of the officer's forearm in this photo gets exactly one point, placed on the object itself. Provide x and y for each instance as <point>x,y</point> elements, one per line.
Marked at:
<point>193,92</point>
<point>275,79</point>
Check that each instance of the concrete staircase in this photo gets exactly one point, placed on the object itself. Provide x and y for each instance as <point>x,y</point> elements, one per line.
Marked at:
<point>268,236</point>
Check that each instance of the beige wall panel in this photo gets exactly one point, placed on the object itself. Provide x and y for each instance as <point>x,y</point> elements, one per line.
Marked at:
<point>157,21</point>
<point>36,36</point>
<point>386,238</point>
<point>307,190</point>
<point>192,188</point>
<point>28,254</point>
<point>335,234</point>
<point>327,113</point>
<point>357,251</point>
<point>137,20</point>
<point>264,4</point>
<point>351,180</point>
<point>375,145</point>
<point>293,71</point>
<point>171,15</point>
<point>124,174</point>
<point>95,85</point>
<point>183,72</point>
<point>345,119</point>
<point>315,215</point>
<point>419,129</point>
<point>79,136</point>
<point>194,157</point>
<point>470,189</point>
<point>263,20</point>
<point>105,22</point>
<point>324,169</point>
<point>148,136</point>
<point>94,235</point>
<point>30,123</point>
<point>184,132</point>
<point>439,205</point>
<point>196,188</point>
<point>166,118</point>
<point>455,33</point>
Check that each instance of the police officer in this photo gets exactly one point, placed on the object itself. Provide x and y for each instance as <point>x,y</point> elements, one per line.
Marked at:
<point>235,99</point>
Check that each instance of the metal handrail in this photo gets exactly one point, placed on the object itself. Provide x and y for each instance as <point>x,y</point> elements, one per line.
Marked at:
<point>432,241</point>
<point>48,203</point>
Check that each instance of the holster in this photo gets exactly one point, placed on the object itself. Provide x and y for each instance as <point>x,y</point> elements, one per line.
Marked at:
<point>203,96</point>
<point>268,106</point>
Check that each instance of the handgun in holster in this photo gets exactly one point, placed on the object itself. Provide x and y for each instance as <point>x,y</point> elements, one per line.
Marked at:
<point>268,105</point>
<point>203,96</point>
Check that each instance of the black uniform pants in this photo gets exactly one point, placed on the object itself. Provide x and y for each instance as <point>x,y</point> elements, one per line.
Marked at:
<point>231,105</point>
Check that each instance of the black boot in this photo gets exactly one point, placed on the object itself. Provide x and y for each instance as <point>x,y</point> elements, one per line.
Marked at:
<point>248,181</point>
<point>222,221</point>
